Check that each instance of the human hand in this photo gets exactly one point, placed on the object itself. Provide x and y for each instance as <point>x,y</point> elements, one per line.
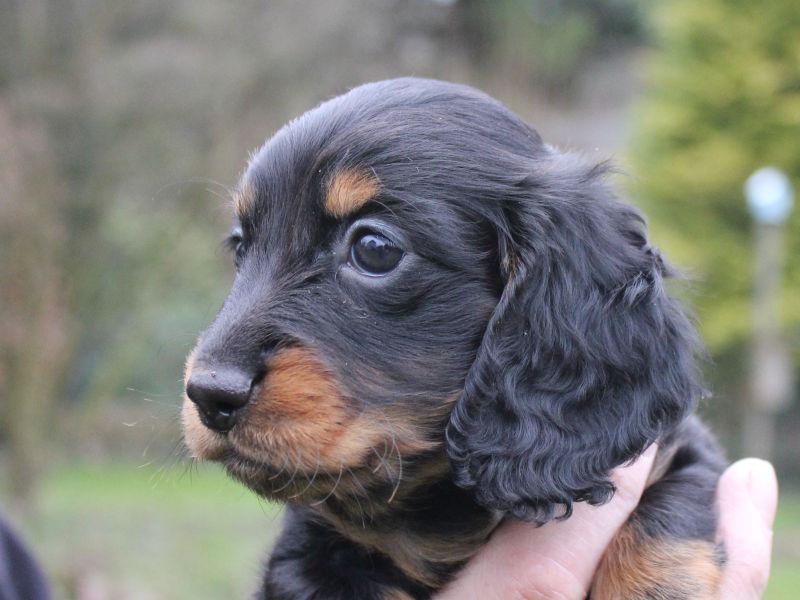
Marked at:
<point>559,559</point>
<point>747,497</point>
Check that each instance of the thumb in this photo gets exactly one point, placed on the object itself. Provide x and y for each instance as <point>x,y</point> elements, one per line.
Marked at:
<point>556,560</point>
<point>747,497</point>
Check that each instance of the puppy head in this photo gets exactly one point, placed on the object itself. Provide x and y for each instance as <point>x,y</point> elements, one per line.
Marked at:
<point>412,259</point>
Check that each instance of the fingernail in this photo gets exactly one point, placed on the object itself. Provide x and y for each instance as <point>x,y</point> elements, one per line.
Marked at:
<point>762,487</point>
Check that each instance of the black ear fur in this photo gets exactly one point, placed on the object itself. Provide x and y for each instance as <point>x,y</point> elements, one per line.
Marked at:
<point>586,359</point>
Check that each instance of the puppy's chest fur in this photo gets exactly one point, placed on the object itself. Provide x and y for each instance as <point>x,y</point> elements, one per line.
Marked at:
<point>428,534</point>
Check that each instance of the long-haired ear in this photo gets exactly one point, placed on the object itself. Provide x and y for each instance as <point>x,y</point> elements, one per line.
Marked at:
<point>586,359</point>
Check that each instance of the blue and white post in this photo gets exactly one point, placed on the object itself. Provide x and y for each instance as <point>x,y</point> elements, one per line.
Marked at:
<point>770,197</point>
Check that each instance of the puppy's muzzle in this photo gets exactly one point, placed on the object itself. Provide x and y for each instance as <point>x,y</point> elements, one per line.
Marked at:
<point>220,394</point>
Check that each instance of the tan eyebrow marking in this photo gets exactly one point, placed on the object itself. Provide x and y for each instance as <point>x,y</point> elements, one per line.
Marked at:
<point>349,190</point>
<point>243,198</point>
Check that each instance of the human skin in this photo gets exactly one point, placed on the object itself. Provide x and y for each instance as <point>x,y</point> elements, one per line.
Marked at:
<point>559,559</point>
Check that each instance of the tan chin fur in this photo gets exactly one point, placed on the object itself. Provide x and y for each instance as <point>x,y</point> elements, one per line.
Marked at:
<point>300,422</point>
<point>200,440</point>
<point>301,418</point>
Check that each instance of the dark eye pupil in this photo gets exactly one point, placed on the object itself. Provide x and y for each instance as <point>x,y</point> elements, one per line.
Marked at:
<point>235,244</point>
<point>375,254</point>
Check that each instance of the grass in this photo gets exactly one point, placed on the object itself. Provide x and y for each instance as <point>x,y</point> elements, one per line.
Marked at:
<point>785,579</point>
<point>133,533</point>
<point>130,533</point>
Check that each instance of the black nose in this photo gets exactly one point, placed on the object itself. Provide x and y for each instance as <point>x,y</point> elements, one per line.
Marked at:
<point>219,394</point>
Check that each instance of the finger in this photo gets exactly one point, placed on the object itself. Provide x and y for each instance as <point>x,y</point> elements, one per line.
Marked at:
<point>747,497</point>
<point>556,560</point>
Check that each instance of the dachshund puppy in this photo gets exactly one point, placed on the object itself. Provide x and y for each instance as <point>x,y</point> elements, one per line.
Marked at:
<point>438,322</point>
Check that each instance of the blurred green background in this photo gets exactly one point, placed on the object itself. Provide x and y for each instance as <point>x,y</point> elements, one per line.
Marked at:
<point>124,124</point>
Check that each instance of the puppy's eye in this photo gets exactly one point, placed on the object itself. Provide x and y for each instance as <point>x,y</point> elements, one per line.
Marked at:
<point>374,254</point>
<point>235,243</point>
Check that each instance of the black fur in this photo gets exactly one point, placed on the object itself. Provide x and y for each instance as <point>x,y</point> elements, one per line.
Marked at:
<point>527,329</point>
<point>585,353</point>
<point>312,560</point>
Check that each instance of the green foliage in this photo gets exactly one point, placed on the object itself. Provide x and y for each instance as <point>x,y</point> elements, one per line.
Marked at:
<point>723,100</point>
<point>549,40</point>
